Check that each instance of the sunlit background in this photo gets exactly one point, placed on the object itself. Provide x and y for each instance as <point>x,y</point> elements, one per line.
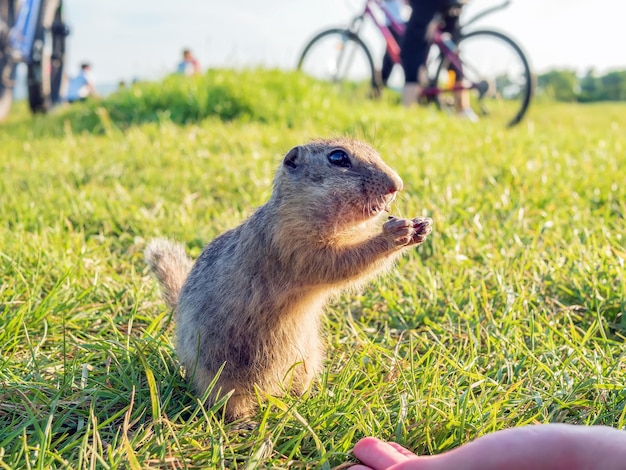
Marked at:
<point>126,40</point>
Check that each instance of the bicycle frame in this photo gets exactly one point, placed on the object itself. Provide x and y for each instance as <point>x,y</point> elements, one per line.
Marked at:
<point>448,69</point>
<point>35,35</point>
<point>456,63</point>
<point>393,48</point>
<point>23,32</point>
<point>453,56</point>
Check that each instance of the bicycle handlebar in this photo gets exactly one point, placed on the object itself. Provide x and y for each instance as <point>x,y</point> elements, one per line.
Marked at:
<point>486,12</point>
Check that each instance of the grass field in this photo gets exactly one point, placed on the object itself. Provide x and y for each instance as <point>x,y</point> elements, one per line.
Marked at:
<point>513,312</point>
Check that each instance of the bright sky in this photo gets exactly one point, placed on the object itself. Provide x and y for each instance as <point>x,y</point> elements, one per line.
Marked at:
<point>124,39</point>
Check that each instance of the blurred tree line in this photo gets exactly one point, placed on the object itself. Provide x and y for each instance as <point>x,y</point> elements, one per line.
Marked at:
<point>566,85</point>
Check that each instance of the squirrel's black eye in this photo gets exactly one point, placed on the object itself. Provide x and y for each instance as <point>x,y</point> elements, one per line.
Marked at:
<point>339,158</point>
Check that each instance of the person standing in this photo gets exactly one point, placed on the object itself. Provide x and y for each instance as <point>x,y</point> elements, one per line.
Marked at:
<point>189,65</point>
<point>81,86</point>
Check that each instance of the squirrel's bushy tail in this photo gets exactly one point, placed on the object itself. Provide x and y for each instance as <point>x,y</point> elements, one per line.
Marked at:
<point>170,265</point>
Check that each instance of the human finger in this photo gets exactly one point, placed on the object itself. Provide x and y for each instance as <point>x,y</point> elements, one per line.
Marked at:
<point>378,455</point>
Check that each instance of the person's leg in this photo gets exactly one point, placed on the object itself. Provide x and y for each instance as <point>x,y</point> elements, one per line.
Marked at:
<point>388,62</point>
<point>414,48</point>
<point>385,70</point>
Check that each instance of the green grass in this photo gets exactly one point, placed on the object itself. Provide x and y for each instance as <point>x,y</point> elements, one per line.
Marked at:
<point>511,313</point>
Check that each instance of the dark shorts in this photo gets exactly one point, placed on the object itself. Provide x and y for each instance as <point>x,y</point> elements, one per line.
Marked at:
<point>414,46</point>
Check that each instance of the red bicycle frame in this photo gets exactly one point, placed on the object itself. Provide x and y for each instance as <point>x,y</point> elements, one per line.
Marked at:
<point>393,48</point>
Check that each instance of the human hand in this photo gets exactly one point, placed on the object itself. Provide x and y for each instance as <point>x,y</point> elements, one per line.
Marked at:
<point>546,447</point>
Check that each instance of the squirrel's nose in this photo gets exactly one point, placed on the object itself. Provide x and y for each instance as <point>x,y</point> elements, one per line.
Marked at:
<point>395,184</point>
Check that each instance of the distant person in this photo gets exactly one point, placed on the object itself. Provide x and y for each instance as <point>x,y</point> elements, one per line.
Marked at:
<point>81,86</point>
<point>189,65</point>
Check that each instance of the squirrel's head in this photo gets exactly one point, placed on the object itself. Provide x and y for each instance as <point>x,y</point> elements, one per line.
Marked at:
<point>341,180</point>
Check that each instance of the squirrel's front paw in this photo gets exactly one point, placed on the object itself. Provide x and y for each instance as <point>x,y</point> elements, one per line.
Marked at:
<point>403,232</point>
<point>422,227</point>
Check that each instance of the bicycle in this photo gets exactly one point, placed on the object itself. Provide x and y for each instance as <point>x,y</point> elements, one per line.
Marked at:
<point>32,32</point>
<point>494,68</point>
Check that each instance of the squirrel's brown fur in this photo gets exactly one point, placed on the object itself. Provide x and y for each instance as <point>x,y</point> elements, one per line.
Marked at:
<point>252,301</point>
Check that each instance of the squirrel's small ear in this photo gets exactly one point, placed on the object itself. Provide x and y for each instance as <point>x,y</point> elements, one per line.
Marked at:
<point>291,159</point>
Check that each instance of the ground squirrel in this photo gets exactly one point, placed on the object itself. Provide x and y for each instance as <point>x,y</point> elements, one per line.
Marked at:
<point>252,301</point>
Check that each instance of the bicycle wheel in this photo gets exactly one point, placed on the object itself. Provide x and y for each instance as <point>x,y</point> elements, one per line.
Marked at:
<point>7,64</point>
<point>45,71</point>
<point>499,72</point>
<point>340,56</point>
